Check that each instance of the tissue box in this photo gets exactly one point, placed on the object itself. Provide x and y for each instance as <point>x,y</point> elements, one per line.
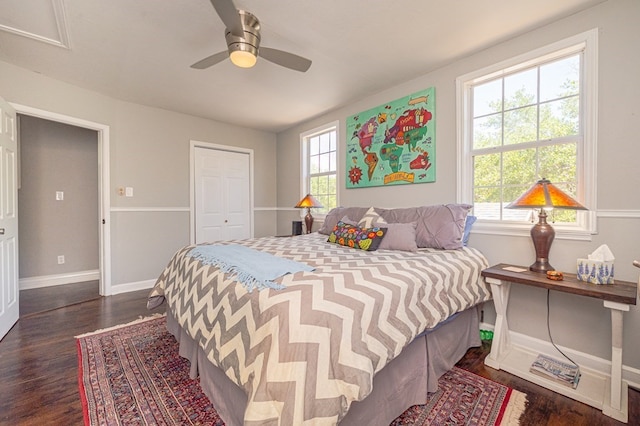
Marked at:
<point>595,271</point>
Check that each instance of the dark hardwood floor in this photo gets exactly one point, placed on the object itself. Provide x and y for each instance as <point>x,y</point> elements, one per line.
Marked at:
<point>39,369</point>
<point>39,300</point>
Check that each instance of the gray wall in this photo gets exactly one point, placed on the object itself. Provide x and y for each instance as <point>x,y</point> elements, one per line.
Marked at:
<point>57,157</point>
<point>149,151</point>
<point>579,323</point>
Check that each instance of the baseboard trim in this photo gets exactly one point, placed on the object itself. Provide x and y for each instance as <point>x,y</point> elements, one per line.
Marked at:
<point>58,279</point>
<point>603,366</point>
<point>134,286</point>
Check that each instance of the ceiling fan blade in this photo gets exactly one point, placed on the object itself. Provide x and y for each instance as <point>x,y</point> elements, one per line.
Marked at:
<point>285,59</point>
<point>229,15</point>
<point>211,60</point>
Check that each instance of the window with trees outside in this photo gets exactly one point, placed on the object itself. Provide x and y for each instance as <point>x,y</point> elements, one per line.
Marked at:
<point>528,119</point>
<point>319,166</point>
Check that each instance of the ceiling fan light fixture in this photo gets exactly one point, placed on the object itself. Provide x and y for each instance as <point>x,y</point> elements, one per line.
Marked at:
<point>243,51</point>
<point>242,34</point>
<point>243,58</point>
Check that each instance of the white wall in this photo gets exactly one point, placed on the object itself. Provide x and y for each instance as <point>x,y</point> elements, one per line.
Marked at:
<point>149,151</point>
<point>579,323</point>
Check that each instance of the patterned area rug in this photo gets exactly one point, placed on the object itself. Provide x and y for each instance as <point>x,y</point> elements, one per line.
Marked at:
<point>132,375</point>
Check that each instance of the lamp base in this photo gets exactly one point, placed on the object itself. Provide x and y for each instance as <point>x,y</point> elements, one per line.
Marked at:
<point>308,221</point>
<point>541,265</point>
<point>542,235</point>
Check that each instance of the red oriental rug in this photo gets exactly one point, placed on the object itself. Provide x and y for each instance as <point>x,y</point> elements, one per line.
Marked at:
<point>132,375</point>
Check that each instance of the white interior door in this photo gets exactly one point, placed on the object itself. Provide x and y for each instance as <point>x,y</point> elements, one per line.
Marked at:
<point>9,291</point>
<point>222,195</point>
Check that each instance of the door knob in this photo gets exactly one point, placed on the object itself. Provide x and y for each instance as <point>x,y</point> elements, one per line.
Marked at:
<point>1,231</point>
<point>225,221</point>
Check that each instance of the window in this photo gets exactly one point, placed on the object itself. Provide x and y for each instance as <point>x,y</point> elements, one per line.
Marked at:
<point>530,118</point>
<point>319,166</point>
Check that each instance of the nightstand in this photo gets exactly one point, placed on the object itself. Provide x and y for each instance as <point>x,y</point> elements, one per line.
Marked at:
<point>610,394</point>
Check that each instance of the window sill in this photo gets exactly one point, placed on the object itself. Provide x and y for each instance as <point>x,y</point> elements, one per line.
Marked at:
<point>563,232</point>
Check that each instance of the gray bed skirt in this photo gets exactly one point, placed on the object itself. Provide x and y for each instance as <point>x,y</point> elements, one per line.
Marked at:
<point>404,382</point>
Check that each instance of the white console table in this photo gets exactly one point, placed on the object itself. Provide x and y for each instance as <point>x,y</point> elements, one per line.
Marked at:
<point>608,393</point>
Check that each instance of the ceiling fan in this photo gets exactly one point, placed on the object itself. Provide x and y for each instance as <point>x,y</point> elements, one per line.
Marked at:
<point>243,42</point>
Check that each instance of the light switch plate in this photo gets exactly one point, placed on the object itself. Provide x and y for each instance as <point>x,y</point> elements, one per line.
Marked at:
<point>59,195</point>
<point>128,191</point>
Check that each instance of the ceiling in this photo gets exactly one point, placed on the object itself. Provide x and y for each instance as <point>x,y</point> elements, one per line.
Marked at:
<point>141,51</point>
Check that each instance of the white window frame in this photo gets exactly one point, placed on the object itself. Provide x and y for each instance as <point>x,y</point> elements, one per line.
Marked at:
<point>587,43</point>
<point>304,162</point>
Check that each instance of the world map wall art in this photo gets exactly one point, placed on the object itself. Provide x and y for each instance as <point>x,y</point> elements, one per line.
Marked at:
<point>393,144</point>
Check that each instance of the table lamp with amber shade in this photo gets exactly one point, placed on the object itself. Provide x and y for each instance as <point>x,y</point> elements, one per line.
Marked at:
<point>308,202</point>
<point>544,195</point>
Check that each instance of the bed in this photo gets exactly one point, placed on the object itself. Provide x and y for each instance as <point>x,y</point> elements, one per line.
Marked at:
<point>357,340</point>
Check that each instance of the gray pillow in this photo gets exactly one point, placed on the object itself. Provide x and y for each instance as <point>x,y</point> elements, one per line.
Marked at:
<point>337,213</point>
<point>348,221</point>
<point>440,226</point>
<point>399,236</point>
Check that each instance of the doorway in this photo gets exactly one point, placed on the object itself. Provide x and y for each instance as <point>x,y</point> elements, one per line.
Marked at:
<point>58,209</point>
<point>104,204</point>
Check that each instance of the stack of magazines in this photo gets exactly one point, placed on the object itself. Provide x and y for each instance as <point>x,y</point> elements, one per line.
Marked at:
<point>561,372</point>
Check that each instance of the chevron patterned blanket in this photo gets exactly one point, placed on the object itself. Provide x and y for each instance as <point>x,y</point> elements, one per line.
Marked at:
<point>303,354</point>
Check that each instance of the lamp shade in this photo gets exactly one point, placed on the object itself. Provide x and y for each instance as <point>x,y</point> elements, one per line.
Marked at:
<point>544,194</point>
<point>308,201</point>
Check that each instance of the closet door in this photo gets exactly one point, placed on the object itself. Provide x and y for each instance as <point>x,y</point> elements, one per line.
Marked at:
<point>222,195</point>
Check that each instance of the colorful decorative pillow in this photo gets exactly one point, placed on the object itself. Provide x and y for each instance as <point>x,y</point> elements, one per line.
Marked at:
<point>369,218</point>
<point>333,217</point>
<point>355,237</point>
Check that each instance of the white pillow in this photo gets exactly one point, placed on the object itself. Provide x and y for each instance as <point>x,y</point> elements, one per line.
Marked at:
<point>369,218</point>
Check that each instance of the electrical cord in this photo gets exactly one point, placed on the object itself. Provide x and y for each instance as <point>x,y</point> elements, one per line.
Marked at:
<point>549,331</point>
